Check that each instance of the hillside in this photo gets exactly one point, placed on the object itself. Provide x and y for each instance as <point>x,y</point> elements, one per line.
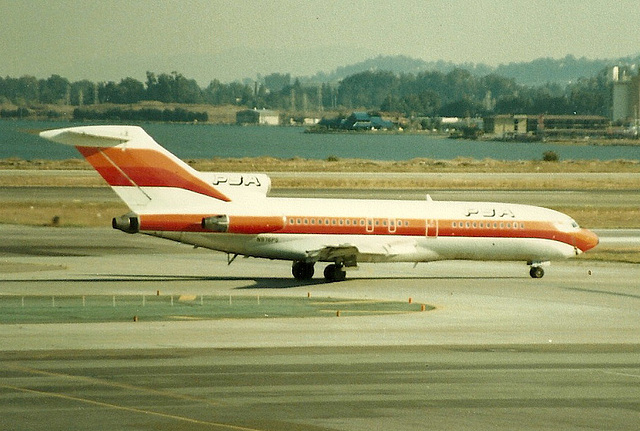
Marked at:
<point>537,72</point>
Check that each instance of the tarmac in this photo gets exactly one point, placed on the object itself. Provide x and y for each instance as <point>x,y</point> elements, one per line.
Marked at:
<point>499,351</point>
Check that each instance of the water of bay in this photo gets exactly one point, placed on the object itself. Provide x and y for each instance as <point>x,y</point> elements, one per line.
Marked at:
<point>19,139</point>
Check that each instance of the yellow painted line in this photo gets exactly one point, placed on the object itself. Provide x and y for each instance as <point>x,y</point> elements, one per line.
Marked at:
<point>357,301</point>
<point>127,409</point>
<point>107,383</point>
<point>187,318</point>
<point>370,311</point>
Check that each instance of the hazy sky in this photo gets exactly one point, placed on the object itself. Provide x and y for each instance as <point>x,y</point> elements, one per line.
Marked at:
<point>207,39</point>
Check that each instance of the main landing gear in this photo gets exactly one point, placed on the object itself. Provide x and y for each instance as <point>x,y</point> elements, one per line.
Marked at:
<point>304,271</point>
<point>335,272</point>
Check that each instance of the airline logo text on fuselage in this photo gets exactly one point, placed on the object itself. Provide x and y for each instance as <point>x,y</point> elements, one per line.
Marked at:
<point>236,180</point>
<point>490,212</point>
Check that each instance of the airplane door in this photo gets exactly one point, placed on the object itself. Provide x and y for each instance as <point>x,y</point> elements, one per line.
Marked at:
<point>432,228</point>
<point>369,225</point>
<point>392,225</point>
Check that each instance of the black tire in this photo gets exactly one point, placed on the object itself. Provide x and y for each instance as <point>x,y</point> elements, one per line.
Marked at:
<point>536,272</point>
<point>334,272</point>
<point>302,270</point>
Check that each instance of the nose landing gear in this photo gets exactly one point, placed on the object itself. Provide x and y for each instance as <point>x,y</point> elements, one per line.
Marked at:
<point>536,272</point>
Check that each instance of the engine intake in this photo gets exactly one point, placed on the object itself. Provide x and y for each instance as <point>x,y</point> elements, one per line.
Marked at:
<point>128,223</point>
<point>243,224</point>
<point>216,223</point>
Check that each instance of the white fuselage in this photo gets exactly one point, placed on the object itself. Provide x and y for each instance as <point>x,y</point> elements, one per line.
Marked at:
<point>390,230</point>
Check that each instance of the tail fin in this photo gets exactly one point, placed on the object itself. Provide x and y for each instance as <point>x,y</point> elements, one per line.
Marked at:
<point>145,175</point>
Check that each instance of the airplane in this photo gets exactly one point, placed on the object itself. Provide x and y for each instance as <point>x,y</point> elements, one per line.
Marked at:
<point>232,213</point>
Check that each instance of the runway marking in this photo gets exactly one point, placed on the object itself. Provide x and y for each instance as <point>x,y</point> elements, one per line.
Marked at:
<point>622,374</point>
<point>128,409</point>
<point>119,385</point>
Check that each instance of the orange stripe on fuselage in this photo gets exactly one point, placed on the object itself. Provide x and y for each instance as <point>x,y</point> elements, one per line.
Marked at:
<point>145,168</point>
<point>360,226</point>
<point>193,223</point>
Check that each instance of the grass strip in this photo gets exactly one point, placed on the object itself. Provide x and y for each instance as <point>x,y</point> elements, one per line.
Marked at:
<point>15,309</point>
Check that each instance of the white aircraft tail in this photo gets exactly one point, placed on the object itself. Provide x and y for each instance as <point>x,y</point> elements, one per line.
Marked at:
<point>150,179</point>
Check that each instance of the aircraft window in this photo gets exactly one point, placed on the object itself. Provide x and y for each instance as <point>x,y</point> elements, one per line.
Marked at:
<point>468,224</point>
<point>508,225</point>
<point>306,221</point>
<point>384,223</point>
<point>299,221</point>
<point>361,222</point>
<point>574,224</point>
<point>377,222</point>
<point>326,221</point>
<point>341,222</point>
<point>348,222</point>
<point>521,225</point>
<point>474,224</point>
<point>481,225</point>
<point>495,225</point>
<point>501,225</point>
<point>333,222</point>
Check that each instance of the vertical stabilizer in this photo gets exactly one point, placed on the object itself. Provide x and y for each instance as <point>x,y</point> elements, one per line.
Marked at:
<point>144,174</point>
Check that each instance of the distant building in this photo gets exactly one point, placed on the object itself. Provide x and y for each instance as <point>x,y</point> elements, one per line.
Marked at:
<point>258,116</point>
<point>626,96</point>
<point>357,121</point>
<point>546,125</point>
<point>505,125</point>
<point>570,125</point>
<point>364,121</point>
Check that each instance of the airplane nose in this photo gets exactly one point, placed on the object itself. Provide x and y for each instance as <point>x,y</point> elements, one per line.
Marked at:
<point>586,240</point>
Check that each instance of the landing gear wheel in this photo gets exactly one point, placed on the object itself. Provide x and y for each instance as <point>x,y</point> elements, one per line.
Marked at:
<point>302,270</point>
<point>334,272</point>
<point>536,272</point>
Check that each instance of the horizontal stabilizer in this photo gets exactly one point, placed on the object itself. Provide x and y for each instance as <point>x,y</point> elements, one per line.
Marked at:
<point>96,136</point>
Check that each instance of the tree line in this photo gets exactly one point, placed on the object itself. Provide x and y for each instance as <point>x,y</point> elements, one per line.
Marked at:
<point>431,93</point>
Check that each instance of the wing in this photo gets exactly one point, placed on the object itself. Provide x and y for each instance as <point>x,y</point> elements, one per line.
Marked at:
<point>350,254</point>
<point>345,253</point>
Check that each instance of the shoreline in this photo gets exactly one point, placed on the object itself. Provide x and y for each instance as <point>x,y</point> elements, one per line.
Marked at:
<point>335,164</point>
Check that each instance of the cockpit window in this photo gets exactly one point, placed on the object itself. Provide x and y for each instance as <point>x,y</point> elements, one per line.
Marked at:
<point>567,225</point>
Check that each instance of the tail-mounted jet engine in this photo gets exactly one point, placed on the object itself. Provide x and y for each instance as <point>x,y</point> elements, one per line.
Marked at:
<point>128,223</point>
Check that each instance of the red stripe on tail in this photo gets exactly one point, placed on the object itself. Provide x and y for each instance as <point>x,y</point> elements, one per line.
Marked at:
<point>145,168</point>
